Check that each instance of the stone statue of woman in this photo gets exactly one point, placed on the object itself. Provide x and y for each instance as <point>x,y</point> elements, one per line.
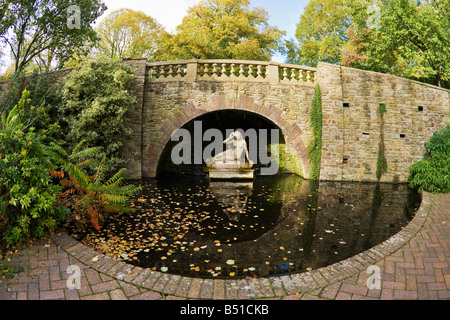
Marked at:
<point>237,153</point>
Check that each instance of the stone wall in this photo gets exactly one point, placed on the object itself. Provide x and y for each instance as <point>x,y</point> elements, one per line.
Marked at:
<point>171,102</point>
<point>352,128</point>
<point>170,94</point>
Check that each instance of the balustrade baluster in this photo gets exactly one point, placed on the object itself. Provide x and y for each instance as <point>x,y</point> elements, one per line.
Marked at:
<point>154,73</point>
<point>233,71</point>
<point>241,71</point>
<point>206,70</point>
<point>170,73</point>
<point>162,72</point>
<point>285,75</point>
<point>250,71</point>
<point>224,70</point>
<point>259,72</point>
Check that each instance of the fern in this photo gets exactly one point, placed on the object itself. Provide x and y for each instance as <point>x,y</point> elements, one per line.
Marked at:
<point>92,196</point>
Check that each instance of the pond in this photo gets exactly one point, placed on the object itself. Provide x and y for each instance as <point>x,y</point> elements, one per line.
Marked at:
<point>271,226</point>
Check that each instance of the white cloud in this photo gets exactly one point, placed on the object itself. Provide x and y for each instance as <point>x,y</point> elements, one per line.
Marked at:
<point>169,13</point>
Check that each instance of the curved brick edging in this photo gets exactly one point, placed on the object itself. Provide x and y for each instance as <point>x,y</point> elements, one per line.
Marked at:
<point>195,288</point>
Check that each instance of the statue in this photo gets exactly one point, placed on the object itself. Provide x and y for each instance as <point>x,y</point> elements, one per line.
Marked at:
<point>234,162</point>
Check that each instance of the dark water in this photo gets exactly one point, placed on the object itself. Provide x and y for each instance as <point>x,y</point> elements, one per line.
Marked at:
<point>268,227</point>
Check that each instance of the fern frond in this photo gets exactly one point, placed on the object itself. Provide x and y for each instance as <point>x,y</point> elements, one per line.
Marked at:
<point>85,154</point>
<point>116,177</point>
<point>98,174</point>
<point>77,175</point>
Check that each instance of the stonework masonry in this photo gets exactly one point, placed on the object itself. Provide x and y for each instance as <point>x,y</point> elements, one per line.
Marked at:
<point>351,100</point>
<point>173,93</point>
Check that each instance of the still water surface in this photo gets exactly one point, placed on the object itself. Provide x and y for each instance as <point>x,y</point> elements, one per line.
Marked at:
<point>271,226</point>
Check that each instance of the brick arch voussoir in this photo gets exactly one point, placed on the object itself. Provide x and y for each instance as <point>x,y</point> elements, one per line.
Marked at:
<point>290,129</point>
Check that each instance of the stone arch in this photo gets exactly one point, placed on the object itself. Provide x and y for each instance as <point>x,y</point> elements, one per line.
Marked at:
<point>290,130</point>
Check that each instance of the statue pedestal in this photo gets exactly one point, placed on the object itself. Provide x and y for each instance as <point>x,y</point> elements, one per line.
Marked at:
<point>230,171</point>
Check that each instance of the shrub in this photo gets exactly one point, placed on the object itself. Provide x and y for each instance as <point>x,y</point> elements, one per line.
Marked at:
<point>90,196</point>
<point>432,174</point>
<point>97,97</point>
<point>27,194</point>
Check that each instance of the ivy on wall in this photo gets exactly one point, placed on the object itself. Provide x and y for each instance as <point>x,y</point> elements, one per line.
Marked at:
<point>381,161</point>
<point>315,146</point>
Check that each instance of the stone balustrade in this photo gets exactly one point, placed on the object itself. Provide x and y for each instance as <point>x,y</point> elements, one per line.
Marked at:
<point>229,70</point>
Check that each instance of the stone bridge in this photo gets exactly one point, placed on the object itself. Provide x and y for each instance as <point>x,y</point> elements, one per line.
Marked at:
<point>170,95</point>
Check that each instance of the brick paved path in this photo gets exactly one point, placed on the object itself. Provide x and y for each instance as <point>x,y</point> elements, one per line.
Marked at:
<point>414,265</point>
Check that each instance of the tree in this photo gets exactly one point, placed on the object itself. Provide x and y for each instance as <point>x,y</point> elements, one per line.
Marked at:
<point>223,29</point>
<point>321,33</point>
<point>127,33</point>
<point>97,96</point>
<point>32,27</point>
<point>412,40</point>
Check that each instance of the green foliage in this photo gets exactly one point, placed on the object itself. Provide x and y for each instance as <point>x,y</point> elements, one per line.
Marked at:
<point>432,174</point>
<point>27,194</point>
<point>381,160</point>
<point>320,33</point>
<point>408,38</point>
<point>412,39</point>
<point>382,165</point>
<point>92,196</point>
<point>97,97</point>
<point>315,147</point>
<point>223,29</point>
<point>287,161</point>
<point>45,90</point>
<point>8,272</point>
<point>31,28</point>
<point>382,109</point>
<point>126,33</point>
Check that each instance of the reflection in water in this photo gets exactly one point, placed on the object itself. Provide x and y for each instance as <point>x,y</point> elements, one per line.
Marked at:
<point>275,225</point>
<point>232,196</point>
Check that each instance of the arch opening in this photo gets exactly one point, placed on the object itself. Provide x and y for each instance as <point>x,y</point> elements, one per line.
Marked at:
<point>270,143</point>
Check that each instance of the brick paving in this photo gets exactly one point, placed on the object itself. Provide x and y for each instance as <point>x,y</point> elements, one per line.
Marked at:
<point>414,265</point>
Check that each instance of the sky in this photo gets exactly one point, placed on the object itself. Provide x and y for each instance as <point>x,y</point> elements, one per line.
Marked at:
<point>285,14</point>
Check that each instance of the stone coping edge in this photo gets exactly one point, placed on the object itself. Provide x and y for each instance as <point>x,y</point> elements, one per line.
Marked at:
<point>243,289</point>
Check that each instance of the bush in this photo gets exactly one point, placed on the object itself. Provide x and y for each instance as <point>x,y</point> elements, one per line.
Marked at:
<point>433,173</point>
<point>90,197</point>
<point>27,194</point>
<point>97,96</point>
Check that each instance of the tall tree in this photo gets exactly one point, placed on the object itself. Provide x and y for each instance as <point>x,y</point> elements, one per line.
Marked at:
<point>32,27</point>
<point>223,29</point>
<point>127,33</point>
<point>412,40</point>
<point>320,33</point>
